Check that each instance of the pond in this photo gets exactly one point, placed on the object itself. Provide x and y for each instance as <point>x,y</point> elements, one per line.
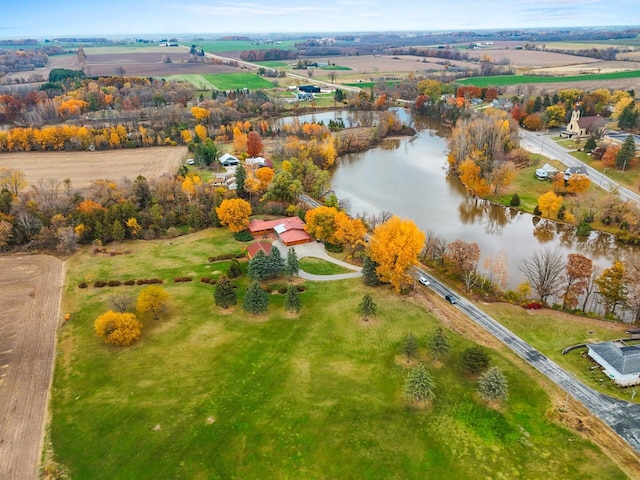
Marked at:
<point>407,177</point>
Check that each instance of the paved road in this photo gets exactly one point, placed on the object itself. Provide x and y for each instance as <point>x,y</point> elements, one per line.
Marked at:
<point>623,417</point>
<point>541,143</point>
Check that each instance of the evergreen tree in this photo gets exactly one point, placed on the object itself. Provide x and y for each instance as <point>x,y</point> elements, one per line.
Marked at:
<point>241,178</point>
<point>292,266</point>
<point>515,200</point>
<point>628,119</point>
<point>410,346</point>
<point>259,267</point>
<point>256,299</point>
<point>117,231</point>
<point>439,343</point>
<point>419,385</point>
<point>276,262</point>
<point>475,359</point>
<point>367,307</point>
<point>626,153</point>
<point>369,276</point>
<point>224,294</point>
<point>591,144</point>
<point>492,385</point>
<point>234,270</point>
<point>292,300</point>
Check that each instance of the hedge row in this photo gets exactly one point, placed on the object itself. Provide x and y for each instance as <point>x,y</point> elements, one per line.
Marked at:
<point>117,283</point>
<point>227,256</point>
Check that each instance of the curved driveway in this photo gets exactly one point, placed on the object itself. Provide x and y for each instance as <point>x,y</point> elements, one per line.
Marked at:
<point>623,417</point>
<point>317,250</point>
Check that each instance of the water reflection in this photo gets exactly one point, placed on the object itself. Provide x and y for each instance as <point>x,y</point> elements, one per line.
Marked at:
<point>408,178</point>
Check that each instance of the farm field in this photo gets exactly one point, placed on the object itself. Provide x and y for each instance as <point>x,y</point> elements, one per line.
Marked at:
<point>232,81</point>
<point>84,167</point>
<point>197,80</point>
<point>506,80</point>
<point>529,58</point>
<point>30,300</point>
<point>220,394</point>
<point>236,46</point>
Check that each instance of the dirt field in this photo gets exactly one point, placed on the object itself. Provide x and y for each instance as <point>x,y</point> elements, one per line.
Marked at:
<point>590,67</point>
<point>385,63</point>
<point>83,167</point>
<point>30,289</point>
<point>529,58</point>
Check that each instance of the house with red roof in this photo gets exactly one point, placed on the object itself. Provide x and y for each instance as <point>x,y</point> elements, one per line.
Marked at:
<point>254,248</point>
<point>289,230</point>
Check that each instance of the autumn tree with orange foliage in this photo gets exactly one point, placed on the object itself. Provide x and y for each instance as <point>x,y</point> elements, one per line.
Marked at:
<point>350,232</point>
<point>152,301</point>
<point>470,178</point>
<point>234,213</point>
<point>239,141</point>
<point>578,183</point>
<point>254,144</point>
<point>201,132</point>
<point>549,204</point>
<point>200,114</point>
<point>122,329</point>
<point>609,157</point>
<point>395,246</point>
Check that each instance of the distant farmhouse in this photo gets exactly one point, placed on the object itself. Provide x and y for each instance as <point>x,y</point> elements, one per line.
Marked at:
<point>620,362</point>
<point>582,126</point>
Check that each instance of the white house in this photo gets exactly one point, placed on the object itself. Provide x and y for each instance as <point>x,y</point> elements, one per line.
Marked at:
<point>547,171</point>
<point>256,162</point>
<point>621,362</point>
<point>227,160</point>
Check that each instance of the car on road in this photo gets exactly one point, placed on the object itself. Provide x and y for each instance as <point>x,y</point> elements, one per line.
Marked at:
<point>424,281</point>
<point>191,161</point>
<point>451,299</point>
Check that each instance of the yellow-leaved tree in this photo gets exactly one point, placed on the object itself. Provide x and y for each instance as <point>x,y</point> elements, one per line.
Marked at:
<point>321,224</point>
<point>549,203</point>
<point>118,328</point>
<point>234,213</point>
<point>152,301</point>
<point>350,232</point>
<point>395,247</point>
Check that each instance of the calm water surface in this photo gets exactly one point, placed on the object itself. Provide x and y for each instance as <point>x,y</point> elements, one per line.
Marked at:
<point>407,177</point>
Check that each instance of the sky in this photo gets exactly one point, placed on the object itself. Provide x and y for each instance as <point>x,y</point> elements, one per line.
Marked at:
<point>51,18</point>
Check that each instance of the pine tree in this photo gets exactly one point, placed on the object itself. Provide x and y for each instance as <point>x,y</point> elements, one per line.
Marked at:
<point>492,385</point>
<point>276,262</point>
<point>410,347</point>
<point>256,299</point>
<point>292,300</point>
<point>626,153</point>
<point>117,231</point>
<point>591,144</point>
<point>475,359</point>
<point>292,266</point>
<point>419,385</point>
<point>367,307</point>
<point>259,267</point>
<point>241,177</point>
<point>234,270</point>
<point>224,294</point>
<point>369,276</point>
<point>439,343</point>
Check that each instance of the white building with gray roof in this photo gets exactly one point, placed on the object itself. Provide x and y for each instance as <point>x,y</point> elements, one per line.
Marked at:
<point>621,362</point>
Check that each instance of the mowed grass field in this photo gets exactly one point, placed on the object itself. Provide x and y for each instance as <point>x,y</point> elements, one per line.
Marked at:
<point>232,81</point>
<point>221,395</point>
<point>239,45</point>
<point>506,80</point>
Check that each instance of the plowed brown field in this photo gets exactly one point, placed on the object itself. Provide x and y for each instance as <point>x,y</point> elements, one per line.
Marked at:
<point>83,167</point>
<point>30,289</point>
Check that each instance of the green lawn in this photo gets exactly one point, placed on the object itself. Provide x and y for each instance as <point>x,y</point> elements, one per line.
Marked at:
<point>336,67</point>
<point>221,395</point>
<point>197,80</point>
<point>318,266</point>
<point>549,334</point>
<point>233,81</point>
<point>505,80</point>
<point>239,45</point>
<point>369,84</point>
<point>272,64</point>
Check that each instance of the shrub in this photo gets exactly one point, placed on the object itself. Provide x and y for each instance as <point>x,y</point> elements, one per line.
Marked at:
<point>129,282</point>
<point>243,236</point>
<point>234,270</point>
<point>82,285</point>
<point>114,283</point>
<point>282,290</point>
<point>475,359</point>
<point>583,230</point>
<point>226,256</point>
<point>182,279</point>
<point>301,288</point>
<point>537,211</point>
<point>533,306</point>
<point>207,280</point>
<point>118,328</point>
<point>330,247</point>
<point>515,200</point>
<point>99,284</point>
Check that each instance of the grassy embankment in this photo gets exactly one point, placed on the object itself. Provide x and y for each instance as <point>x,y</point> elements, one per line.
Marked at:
<point>551,332</point>
<point>212,394</point>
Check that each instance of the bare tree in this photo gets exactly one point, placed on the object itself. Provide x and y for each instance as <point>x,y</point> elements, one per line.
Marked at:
<point>121,301</point>
<point>544,271</point>
<point>332,76</point>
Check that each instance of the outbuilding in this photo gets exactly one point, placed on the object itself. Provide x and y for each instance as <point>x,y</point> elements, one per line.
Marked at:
<point>228,160</point>
<point>620,362</point>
